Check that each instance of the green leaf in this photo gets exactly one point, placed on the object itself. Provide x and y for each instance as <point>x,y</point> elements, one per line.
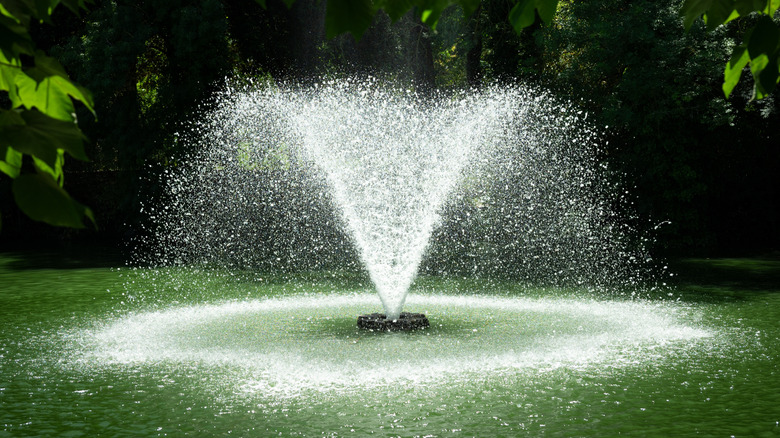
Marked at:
<point>353,16</point>
<point>11,164</point>
<point>14,38</point>
<point>42,199</point>
<point>770,76</point>
<point>45,96</point>
<point>55,171</point>
<point>395,9</point>
<point>547,9</point>
<point>720,12</point>
<point>21,10</point>
<point>469,6</point>
<point>48,88</point>
<point>9,68</point>
<point>765,75</point>
<point>757,66</point>
<point>733,71</point>
<point>745,7</point>
<point>693,9</point>
<point>771,7</point>
<point>34,133</point>
<point>764,39</point>
<point>522,15</point>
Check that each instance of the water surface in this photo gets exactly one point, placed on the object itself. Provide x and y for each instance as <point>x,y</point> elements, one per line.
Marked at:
<point>87,351</point>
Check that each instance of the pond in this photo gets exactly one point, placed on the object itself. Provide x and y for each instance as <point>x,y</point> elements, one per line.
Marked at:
<point>90,348</point>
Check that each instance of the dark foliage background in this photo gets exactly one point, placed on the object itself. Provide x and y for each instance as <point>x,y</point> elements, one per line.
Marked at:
<point>703,167</point>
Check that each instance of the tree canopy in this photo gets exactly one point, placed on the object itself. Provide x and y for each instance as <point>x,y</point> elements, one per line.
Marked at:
<point>40,119</point>
<point>648,71</point>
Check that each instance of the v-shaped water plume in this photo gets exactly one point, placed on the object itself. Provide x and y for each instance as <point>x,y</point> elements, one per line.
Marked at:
<point>318,177</point>
<point>391,159</point>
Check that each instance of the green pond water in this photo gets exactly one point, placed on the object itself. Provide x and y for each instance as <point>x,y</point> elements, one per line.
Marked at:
<point>90,348</point>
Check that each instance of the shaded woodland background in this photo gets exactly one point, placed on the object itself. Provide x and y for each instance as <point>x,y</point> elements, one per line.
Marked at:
<point>705,166</point>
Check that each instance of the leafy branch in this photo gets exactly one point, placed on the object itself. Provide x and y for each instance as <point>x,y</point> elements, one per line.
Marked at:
<point>40,121</point>
<point>761,45</point>
<point>760,49</point>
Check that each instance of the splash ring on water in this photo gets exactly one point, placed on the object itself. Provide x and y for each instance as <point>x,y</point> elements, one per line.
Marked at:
<point>283,346</point>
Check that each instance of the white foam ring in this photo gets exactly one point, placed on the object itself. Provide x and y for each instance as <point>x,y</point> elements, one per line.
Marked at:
<point>279,347</point>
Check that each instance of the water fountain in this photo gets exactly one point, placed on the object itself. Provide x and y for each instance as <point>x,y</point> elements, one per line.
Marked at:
<point>383,169</point>
<point>299,203</point>
<point>485,193</point>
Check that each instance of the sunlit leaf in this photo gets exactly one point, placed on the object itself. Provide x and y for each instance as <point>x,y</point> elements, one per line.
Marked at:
<point>431,10</point>
<point>48,88</point>
<point>739,59</point>
<point>42,199</point>
<point>772,7</point>
<point>47,95</point>
<point>11,164</point>
<point>9,68</point>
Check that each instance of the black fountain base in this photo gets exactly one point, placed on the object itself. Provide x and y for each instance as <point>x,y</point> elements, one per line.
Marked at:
<point>406,322</point>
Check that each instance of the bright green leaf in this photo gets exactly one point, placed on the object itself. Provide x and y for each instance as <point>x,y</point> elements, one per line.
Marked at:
<point>42,199</point>
<point>738,61</point>
<point>772,7</point>
<point>11,164</point>
<point>8,71</point>
<point>47,95</point>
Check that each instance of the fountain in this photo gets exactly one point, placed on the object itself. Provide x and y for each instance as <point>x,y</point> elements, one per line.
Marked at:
<point>384,170</point>
<point>488,212</point>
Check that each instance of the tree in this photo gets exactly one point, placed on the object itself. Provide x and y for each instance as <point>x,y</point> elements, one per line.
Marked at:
<point>761,43</point>
<point>760,49</point>
<point>39,125</point>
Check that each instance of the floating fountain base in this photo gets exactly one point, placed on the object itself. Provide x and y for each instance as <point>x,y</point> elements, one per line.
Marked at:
<point>406,322</point>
